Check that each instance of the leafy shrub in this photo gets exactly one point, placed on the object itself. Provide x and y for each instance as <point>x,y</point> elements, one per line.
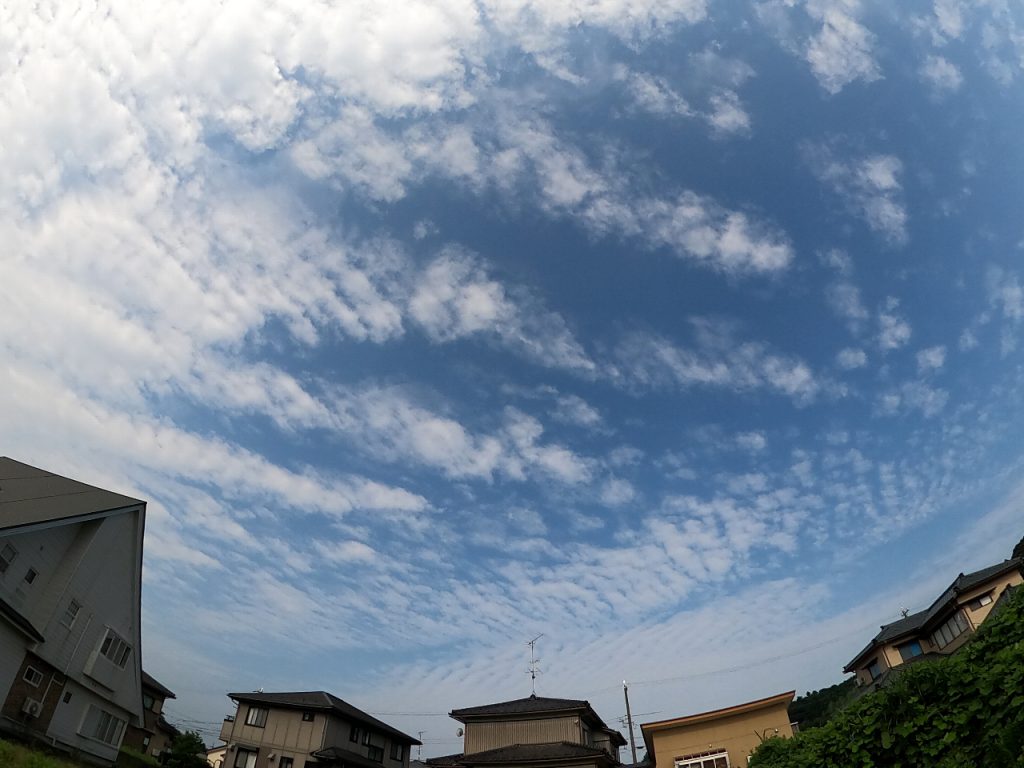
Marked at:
<point>964,711</point>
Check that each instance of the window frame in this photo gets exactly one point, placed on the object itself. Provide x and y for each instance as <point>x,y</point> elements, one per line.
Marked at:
<point>697,761</point>
<point>243,750</point>
<point>5,561</point>
<point>909,644</point>
<point>253,719</point>
<point>25,676</point>
<point>308,716</point>
<point>107,728</point>
<point>397,750</point>
<point>122,649</point>
<point>980,601</point>
<point>73,614</point>
<point>31,575</point>
<point>286,762</point>
<point>375,753</point>
<point>354,734</point>
<point>868,668</point>
<point>366,737</point>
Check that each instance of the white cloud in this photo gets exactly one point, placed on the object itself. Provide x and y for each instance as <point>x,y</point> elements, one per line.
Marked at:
<point>844,299</point>
<point>455,298</point>
<point>968,340</point>
<point>572,409</point>
<point>755,442</point>
<point>843,49</point>
<point>869,186</point>
<point>727,115</point>
<point>893,330</point>
<point>851,358</point>
<point>617,491</point>
<point>654,94</point>
<point>719,360</point>
<point>931,359</point>
<point>941,74</point>
<point>914,395</point>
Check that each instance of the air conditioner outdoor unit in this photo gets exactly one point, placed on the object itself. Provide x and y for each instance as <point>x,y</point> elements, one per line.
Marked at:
<point>32,707</point>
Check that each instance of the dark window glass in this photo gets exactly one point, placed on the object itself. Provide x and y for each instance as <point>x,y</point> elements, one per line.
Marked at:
<point>910,650</point>
<point>376,754</point>
<point>307,717</point>
<point>353,735</point>
<point>874,670</point>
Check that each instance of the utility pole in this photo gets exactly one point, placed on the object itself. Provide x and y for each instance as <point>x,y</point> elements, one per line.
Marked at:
<point>419,747</point>
<point>629,719</point>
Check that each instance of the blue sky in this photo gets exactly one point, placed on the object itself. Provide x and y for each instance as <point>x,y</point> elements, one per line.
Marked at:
<point>684,333</point>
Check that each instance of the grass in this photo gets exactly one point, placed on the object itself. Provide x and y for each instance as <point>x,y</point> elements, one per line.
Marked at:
<point>14,755</point>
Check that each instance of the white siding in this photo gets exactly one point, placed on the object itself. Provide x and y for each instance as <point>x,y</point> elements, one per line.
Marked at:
<point>68,719</point>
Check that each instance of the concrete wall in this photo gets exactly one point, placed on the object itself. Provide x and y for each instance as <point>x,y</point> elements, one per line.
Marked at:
<point>739,735</point>
<point>503,733</point>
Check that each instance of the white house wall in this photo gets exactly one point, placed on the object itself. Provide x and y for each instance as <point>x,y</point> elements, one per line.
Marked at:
<point>68,717</point>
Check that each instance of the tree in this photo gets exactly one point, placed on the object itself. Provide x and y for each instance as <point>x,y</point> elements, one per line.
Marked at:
<point>1018,551</point>
<point>186,751</point>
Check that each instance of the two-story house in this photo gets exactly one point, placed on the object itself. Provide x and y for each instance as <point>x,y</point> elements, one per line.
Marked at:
<point>154,734</point>
<point>70,593</point>
<point>533,732</point>
<point>295,730</point>
<point>938,630</point>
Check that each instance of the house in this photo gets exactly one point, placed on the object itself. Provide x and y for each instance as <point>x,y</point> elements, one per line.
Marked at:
<point>70,590</point>
<point>940,629</point>
<point>721,738</point>
<point>295,730</point>
<point>154,734</point>
<point>534,732</point>
<point>215,756</point>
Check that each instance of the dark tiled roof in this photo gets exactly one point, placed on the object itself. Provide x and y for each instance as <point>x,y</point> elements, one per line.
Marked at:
<point>444,759</point>
<point>148,681</point>
<point>342,757</point>
<point>29,495</point>
<point>918,621</point>
<point>531,753</point>
<point>529,705</point>
<point>322,701</point>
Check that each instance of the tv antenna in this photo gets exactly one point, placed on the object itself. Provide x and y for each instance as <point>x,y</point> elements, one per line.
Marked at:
<point>534,669</point>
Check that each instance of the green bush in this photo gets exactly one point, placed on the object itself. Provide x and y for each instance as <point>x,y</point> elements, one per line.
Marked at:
<point>132,758</point>
<point>964,711</point>
<point>17,756</point>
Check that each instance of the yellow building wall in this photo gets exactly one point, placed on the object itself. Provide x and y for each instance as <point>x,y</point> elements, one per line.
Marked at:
<point>738,734</point>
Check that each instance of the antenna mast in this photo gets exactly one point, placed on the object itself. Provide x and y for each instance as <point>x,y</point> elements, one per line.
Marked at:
<point>534,669</point>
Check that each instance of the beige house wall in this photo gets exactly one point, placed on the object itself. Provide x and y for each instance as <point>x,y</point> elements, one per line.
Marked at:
<point>738,734</point>
<point>997,587</point>
<point>285,730</point>
<point>494,734</point>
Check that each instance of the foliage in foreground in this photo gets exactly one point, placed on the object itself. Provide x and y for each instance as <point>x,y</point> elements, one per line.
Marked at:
<point>965,711</point>
<point>17,756</point>
<point>186,751</point>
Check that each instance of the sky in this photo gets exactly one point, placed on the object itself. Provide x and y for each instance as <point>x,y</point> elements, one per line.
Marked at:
<point>686,334</point>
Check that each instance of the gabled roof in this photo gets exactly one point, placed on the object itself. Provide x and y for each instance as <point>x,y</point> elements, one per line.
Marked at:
<point>324,702</point>
<point>530,705</point>
<point>534,753</point>
<point>148,681</point>
<point>29,496</point>
<point>920,621</point>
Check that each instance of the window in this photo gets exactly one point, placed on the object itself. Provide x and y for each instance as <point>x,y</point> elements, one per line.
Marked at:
<point>980,601</point>
<point>307,717</point>
<point>719,759</point>
<point>116,648</point>
<point>256,716</point>
<point>67,697</point>
<point>145,743</point>
<point>366,738</point>
<point>375,753</point>
<point>353,735</point>
<point>909,650</point>
<point>147,701</point>
<point>245,758</point>
<point>102,726</point>
<point>71,614</point>
<point>874,669</point>
<point>31,575</point>
<point>7,555</point>
<point>32,676</point>
<point>955,626</point>
<point>287,762</point>
<point>397,751</point>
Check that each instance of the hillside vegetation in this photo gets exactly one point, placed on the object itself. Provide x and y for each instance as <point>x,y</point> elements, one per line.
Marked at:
<point>965,711</point>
